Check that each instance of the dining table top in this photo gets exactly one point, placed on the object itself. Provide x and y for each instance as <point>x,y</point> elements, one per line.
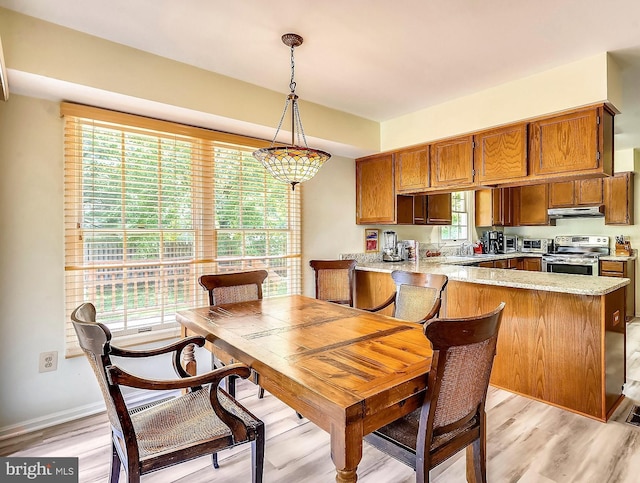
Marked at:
<point>341,354</point>
<point>347,370</point>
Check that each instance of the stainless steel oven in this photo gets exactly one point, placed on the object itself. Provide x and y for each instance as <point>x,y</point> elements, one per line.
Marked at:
<point>576,254</point>
<point>570,264</point>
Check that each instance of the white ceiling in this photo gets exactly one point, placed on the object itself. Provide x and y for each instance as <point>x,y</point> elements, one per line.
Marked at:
<point>378,59</point>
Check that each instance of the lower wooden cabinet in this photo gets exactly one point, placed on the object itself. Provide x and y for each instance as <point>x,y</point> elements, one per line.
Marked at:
<point>623,269</point>
<point>531,264</point>
<point>373,288</point>
<point>508,263</point>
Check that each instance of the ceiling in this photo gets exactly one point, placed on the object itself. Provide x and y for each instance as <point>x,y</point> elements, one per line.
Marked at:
<point>373,58</point>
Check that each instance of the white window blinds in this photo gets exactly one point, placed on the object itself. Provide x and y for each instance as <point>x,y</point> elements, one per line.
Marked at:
<point>152,205</point>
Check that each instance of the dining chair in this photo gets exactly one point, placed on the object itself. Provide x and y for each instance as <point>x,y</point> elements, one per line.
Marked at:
<point>203,420</point>
<point>452,416</point>
<point>234,287</point>
<point>334,280</point>
<point>418,296</point>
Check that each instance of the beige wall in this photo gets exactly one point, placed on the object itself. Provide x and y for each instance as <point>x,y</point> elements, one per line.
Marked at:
<point>44,49</point>
<point>591,80</point>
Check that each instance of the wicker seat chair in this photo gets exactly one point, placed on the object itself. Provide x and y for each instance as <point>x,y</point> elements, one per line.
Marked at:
<point>452,416</point>
<point>228,288</point>
<point>418,296</point>
<point>334,280</point>
<point>202,421</point>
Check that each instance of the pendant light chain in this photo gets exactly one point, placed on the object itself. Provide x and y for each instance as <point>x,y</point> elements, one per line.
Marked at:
<point>292,82</point>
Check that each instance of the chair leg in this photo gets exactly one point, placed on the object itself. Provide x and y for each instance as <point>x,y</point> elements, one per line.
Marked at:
<point>115,465</point>
<point>214,458</point>
<point>476,463</point>
<point>257,456</point>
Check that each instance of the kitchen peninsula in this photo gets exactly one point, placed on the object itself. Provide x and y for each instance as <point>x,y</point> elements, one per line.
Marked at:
<point>562,339</point>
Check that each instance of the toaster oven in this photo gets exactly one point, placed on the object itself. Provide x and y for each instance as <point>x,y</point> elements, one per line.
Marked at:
<point>537,245</point>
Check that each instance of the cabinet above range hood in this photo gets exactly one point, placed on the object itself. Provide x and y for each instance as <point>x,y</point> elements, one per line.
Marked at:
<point>576,212</point>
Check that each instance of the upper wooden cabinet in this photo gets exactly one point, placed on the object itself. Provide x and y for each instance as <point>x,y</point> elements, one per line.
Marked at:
<point>618,199</point>
<point>439,209</point>
<point>375,190</point>
<point>578,144</point>
<point>530,203</point>
<point>501,155</point>
<point>451,163</point>
<point>576,193</point>
<point>412,170</point>
<point>494,207</point>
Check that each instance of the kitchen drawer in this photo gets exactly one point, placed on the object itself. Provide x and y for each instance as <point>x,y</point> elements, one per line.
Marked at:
<point>611,274</point>
<point>501,264</point>
<point>611,266</point>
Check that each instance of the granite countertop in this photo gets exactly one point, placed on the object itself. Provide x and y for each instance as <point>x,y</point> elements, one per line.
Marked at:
<point>619,258</point>
<point>455,267</point>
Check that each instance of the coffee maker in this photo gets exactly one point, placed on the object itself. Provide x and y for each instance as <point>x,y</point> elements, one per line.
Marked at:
<point>390,251</point>
<point>493,242</point>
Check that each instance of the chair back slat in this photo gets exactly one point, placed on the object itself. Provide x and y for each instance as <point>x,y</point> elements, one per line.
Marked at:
<point>334,280</point>
<point>417,294</point>
<point>227,288</point>
<point>413,303</point>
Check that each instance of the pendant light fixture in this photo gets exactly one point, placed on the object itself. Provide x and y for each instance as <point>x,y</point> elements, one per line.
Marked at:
<point>296,162</point>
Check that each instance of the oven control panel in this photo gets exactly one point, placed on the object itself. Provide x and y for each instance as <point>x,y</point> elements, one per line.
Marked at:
<point>582,241</point>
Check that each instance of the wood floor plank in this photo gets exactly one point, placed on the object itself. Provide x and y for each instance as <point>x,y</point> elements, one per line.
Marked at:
<point>527,442</point>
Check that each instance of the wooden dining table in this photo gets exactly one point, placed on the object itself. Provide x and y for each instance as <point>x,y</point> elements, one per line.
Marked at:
<point>347,370</point>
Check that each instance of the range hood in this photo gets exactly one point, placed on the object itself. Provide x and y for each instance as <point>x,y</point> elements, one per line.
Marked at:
<point>576,212</point>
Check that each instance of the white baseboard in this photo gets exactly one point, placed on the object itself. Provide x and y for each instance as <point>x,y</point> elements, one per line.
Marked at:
<point>133,399</point>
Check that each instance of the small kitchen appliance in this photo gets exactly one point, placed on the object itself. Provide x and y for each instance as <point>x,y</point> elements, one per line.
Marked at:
<point>390,252</point>
<point>493,242</point>
<point>537,245</point>
<point>577,254</point>
<point>510,243</point>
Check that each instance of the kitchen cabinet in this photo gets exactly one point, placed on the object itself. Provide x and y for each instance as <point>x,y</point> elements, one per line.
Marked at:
<point>618,199</point>
<point>412,170</point>
<point>623,269</point>
<point>451,163</point>
<point>372,289</point>
<point>531,264</point>
<point>530,205</point>
<point>432,209</point>
<point>494,207</point>
<point>507,263</point>
<point>375,190</point>
<point>576,193</point>
<point>579,143</point>
<point>501,155</point>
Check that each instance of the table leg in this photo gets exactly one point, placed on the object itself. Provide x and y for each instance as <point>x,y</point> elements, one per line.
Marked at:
<point>346,451</point>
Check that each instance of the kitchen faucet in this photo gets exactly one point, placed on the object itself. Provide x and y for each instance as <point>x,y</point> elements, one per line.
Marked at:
<point>465,249</point>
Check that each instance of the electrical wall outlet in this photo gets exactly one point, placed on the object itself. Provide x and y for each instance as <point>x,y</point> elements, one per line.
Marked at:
<point>48,361</point>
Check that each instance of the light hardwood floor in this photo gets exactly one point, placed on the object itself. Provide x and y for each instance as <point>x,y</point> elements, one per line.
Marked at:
<point>527,442</point>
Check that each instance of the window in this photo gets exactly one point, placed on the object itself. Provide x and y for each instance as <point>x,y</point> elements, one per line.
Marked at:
<point>151,205</point>
<point>459,228</point>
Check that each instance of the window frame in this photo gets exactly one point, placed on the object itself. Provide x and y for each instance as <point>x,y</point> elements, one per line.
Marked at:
<point>468,211</point>
<point>205,233</point>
